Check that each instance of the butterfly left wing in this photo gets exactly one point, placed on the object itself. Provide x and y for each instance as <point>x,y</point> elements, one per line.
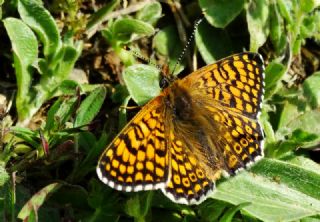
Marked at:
<point>137,159</point>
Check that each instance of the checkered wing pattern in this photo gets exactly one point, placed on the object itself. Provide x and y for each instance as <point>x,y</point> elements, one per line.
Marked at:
<point>231,92</point>
<point>137,159</point>
<point>189,182</point>
<point>235,83</point>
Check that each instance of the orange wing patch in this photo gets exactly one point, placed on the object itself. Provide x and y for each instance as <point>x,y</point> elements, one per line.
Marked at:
<point>235,82</point>
<point>240,139</point>
<point>137,159</point>
<point>189,183</point>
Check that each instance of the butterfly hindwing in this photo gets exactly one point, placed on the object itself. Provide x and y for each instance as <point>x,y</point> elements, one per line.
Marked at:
<point>137,159</point>
<point>189,183</point>
<point>241,140</point>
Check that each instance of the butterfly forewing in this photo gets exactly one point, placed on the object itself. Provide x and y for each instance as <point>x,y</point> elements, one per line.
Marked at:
<point>137,159</point>
<point>235,82</point>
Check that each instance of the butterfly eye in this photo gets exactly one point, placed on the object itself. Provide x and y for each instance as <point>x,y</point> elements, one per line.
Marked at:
<point>164,82</point>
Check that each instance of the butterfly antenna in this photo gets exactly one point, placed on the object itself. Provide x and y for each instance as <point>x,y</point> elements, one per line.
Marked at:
<point>196,24</point>
<point>138,55</point>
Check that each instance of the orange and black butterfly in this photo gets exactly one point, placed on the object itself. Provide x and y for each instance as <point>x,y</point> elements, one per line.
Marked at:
<point>198,128</point>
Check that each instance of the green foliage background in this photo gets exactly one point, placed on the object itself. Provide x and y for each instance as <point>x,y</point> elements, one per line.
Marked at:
<point>53,127</point>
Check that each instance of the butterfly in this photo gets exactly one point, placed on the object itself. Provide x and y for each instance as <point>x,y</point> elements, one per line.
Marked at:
<point>201,127</point>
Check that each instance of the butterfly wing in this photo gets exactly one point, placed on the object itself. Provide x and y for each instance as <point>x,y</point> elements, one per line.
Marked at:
<point>235,83</point>
<point>189,182</point>
<point>138,159</point>
<point>228,96</point>
<point>238,138</point>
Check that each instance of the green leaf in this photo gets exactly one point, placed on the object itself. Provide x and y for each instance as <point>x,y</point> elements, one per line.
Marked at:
<point>219,13</point>
<point>311,219</point>
<point>90,107</point>
<point>274,73</point>
<point>37,200</point>
<point>288,114</point>
<point>124,28</point>
<point>258,23</point>
<point>277,190</point>
<point>1,3</point>
<point>40,20</point>
<point>93,149</point>
<point>139,205</point>
<point>311,89</point>
<point>284,9</point>
<point>302,161</point>
<point>32,217</point>
<point>142,82</point>
<point>59,71</point>
<point>98,17</point>
<point>108,35</point>
<point>308,5</point>
<point>70,55</point>
<point>51,116</point>
<point>27,135</point>
<point>67,87</point>
<point>308,27</point>
<point>212,210</point>
<point>120,94</point>
<point>267,126</point>
<point>277,35</point>
<point>54,68</point>
<point>150,13</point>
<point>25,49</point>
<point>168,44</point>
<point>105,202</point>
<point>213,43</point>
<point>297,139</point>
<point>60,112</point>
<point>86,140</point>
<point>300,135</point>
<point>4,177</point>
<point>125,56</point>
<point>229,214</point>
<point>308,121</point>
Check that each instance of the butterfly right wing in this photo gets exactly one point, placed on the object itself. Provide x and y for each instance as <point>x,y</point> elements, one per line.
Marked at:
<point>228,95</point>
<point>138,159</point>
<point>235,83</point>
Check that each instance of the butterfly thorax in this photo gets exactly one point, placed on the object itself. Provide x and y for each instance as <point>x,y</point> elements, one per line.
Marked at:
<point>179,101</point>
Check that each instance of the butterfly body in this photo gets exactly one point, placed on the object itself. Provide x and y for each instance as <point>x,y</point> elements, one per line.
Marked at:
<point>198,128</point>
